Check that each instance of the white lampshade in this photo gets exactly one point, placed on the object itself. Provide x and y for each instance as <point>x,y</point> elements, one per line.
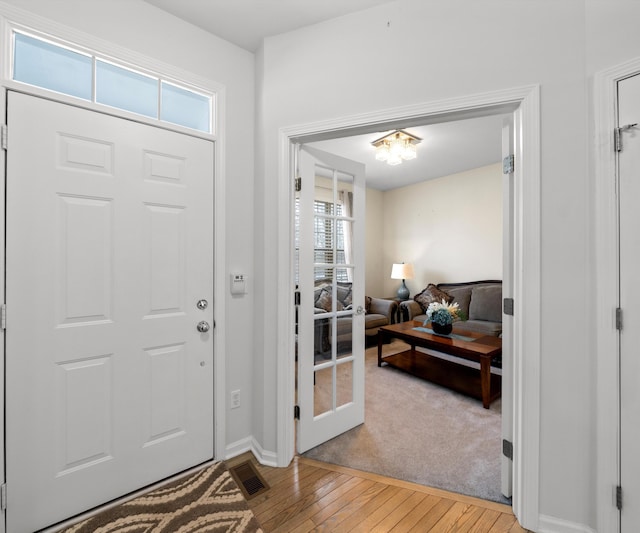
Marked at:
<point>402,271</point>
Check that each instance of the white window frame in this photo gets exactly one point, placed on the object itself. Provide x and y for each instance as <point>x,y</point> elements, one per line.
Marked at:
<point>96,55</point>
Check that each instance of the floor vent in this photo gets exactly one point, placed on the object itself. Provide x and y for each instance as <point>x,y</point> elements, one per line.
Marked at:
<point>250,481</point>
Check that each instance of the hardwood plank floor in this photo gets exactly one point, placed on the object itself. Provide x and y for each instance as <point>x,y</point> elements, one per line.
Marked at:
<point>310,495</point>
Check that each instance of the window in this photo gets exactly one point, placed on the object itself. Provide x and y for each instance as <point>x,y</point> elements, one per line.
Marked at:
<point>126,89</point>
<point>328,241</point>
<point>324,251</point>
<point>49,65</point>
<point>52,67</point>
<point>184,107</point>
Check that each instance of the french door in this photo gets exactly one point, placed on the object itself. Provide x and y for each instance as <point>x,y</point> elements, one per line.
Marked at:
<point>629,197</point>
<point>330,323</point>
<point>109,249</point>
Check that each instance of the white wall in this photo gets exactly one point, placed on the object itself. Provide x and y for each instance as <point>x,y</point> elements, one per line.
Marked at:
<point>471,47</point>
<point>375,223</point>
<point>144,29</point>
<point>449,228</point>
<point>467,48</point>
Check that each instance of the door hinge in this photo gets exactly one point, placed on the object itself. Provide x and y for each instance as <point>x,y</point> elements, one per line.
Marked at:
<point>4,136</point>
<point>619,497</point>
<point>3,497</point>
<point>298,184</point>
<point>618,318</point>
<point>296,412</point>
<point>3,316</point>
<point>296,298</point>
<point>508,164</point>
<point>507,305</point>
<point>617,135</point>
<point>507,449</point>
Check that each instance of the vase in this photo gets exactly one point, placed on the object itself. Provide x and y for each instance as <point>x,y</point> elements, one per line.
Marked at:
<point>441,330</point>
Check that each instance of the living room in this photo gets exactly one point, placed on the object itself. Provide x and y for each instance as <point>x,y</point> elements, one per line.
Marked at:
<point>449,227</point>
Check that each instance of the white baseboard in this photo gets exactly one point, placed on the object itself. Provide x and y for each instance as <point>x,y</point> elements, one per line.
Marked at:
<point>549,524</point>
<point>249,444</point>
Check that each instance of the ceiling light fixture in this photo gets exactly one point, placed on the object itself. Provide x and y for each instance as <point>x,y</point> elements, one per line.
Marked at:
<point>396,147</point>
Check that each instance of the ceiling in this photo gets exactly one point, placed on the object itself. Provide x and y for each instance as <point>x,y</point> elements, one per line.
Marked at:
<point>446,148</point>
<point>246,23</point>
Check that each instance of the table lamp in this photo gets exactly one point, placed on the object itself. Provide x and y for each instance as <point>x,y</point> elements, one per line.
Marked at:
<point>402,271</point>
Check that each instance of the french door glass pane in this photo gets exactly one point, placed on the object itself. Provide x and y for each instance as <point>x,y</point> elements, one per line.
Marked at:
<point>124,89</point>
<point>323,391</point>
<point>344,383</point>
<point>344,336</point>
<point>52,67</point>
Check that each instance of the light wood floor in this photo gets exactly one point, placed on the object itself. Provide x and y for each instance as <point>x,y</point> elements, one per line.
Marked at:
<point>310,495</point>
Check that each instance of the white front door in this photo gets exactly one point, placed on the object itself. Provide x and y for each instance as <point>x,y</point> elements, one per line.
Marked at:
<point>109,248</point>
<point>629,197</point>
<point>332,302</point>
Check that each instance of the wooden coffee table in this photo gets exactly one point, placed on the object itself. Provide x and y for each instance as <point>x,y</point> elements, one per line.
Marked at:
<point>473,347</point>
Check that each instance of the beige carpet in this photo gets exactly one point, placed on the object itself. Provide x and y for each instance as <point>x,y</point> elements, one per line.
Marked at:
<point>209,500</point>
<point>417,431</point>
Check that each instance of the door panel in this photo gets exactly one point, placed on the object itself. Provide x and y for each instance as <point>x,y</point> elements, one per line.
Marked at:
<point>331,283</point>
<point>109,247</point>
<point>629,195</point>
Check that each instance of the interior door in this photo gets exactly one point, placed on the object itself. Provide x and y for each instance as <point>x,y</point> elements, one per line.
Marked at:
<point>629,197</point>
<point>508,246</point>
<point>332,302</point>
<point>109,249</point>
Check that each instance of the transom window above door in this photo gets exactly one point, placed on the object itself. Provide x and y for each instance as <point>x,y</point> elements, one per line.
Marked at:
<point>42,62</point>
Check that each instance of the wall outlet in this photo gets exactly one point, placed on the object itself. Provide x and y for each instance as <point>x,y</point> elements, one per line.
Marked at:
<point>235,399</point>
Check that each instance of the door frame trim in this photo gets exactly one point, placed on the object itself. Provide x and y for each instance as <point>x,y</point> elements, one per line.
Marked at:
<point>524,102</point>
<point>607,292</point>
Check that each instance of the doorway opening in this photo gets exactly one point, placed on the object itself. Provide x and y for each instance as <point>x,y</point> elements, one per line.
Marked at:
<point>524,104</point>
<point>445,218</point>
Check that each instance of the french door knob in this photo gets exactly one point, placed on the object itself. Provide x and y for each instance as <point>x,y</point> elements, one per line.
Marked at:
<point>203,326</point>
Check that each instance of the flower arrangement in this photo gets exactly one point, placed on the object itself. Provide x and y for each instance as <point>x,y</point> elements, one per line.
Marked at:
<point>443,314</point>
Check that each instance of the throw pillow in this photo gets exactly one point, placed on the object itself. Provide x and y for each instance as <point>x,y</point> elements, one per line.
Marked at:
<point>432,294</point>
<point>324,300</point>
<point>486,303</point>
<point>344,293</point>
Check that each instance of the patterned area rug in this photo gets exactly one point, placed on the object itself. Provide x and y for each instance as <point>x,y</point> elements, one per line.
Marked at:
<point>209,500</point>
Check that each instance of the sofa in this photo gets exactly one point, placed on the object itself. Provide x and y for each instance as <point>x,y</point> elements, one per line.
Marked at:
<point>481,302</point>
<point>378,312</point>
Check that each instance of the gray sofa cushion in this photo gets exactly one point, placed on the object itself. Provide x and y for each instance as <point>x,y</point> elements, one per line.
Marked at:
<point>374,320</point>
<point>461,296</point>
<point>486,303</point>
<point>479,326</point>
